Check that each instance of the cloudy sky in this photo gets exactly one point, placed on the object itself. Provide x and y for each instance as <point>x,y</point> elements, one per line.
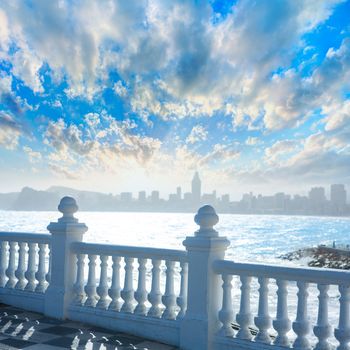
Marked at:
<point>126,95</point>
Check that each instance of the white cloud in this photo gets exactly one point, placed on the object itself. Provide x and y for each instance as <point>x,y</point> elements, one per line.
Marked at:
<point>120,89</point>
<point>33,156</point>
<point>26,66</point>
<point>10,131</point>
<point>279,149</point>
<point>197,134</point>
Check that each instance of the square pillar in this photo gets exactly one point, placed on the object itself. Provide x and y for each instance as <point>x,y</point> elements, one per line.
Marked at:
<point>66,230</point>
<point>201,322</point>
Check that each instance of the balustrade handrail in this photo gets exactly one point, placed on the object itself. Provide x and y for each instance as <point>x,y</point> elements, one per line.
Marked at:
<point>25,237</point>
<point>129,251</point>
<point>310,275</point>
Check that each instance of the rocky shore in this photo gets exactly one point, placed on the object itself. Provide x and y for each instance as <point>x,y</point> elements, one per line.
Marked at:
<point>322,256</point>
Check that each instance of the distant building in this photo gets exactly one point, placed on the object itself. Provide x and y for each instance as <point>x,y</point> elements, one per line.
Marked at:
<point>142,196</point>
<point>187,197</point>
<point>317,195</point>
<point>338,198</point>
<point>196,188</point>
<point>179,193</point>
<point>317,200</point>
<point>155,196</point>
<point>225,198</point>
<point>126,196</point>
<point>338,195</point>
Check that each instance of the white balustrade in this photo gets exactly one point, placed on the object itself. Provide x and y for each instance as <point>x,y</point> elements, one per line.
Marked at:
<point>169,298</point>
<point>263,320</point>
<point>30,273</point>
<point>48,275</point>
<point>182,298</point>
<point>21,281</point>
<point>155,296</point>
<point>114,291</point>
<point>141,292</point>
<point>127,292</point>
<point>323,329</point>
<point>18,264</point>
<point>10,271</point>
<point>41,273</point>
<point>244,317</point>
<point>102,289</point>
<point>90,288</point>
<point>301,325</point>
<point>79,293</point>
<point>226,312</point>
<point>282,323</point>
<point>3,263</point>
<point>342,333</point>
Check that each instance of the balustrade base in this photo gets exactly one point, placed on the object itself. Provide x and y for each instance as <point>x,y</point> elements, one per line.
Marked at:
<point>160,330</point>
<point>23,299</point>
<point>226,343</point>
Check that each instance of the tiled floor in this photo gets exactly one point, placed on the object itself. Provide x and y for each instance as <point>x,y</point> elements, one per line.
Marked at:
<point>27,330</point>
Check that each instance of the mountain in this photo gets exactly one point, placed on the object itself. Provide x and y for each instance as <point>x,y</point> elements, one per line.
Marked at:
<point>30,199</point>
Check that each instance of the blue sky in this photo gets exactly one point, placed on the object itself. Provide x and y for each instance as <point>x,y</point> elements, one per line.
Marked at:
<point>114,95</point>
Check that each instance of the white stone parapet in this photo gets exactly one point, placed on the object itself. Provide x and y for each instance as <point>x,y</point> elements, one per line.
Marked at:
<point>192,298</point>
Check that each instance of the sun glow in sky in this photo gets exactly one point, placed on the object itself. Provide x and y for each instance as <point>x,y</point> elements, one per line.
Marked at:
<point>129,95</point>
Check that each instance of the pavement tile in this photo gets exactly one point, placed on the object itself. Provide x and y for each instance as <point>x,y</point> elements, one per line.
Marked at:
<point>154,346</point>
<point>15,343</point>
<point>44,347</point>
<point>65,342</point>
<point>60,330</point>
<point>28,330</point>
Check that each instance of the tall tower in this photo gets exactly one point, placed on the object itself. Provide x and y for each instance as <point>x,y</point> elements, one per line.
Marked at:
<point>196,188</point>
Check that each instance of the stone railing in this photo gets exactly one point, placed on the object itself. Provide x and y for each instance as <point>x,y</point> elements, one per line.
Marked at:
<point>24,268</point>
<point>184,298</point>
<point>258,329</point>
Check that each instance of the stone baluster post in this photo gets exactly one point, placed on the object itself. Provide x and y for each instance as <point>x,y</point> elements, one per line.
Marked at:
<point>201,321</point>
<point>66,230</point>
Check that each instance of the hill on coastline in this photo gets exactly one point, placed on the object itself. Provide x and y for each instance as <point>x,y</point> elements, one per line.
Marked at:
<point>31,199</point>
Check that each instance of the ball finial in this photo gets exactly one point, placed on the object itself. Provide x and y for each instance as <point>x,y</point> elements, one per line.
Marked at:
<point>206,218</point>
<point>68,206</point>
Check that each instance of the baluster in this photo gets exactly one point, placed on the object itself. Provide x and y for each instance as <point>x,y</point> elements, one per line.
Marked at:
<point>3,263</point>
<point>282,324</point>
<point>169,298</point>
<point>141,293</point>
<point>301,325</point>
<point>90,288</point>
<point>155,296</point>
<point>114,291</point>
<point>40,275</point>
<point>323,329</point>
<point>21,281</point>
<point>263,320</point>
<point>48,275</point>
<point>78,288</point>
<point>30,273</point>
<point>127,293</point>
<point>244,317</point>
<point>342,333</point>
<point>226,312</point>
<point>10,271</point>
<point>102,289</point>
<point>182,299</point>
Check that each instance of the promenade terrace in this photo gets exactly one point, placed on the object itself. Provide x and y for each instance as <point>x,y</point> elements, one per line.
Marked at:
<point>193,299</point>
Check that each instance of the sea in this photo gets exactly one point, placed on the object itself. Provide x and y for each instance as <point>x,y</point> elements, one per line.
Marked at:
<point>254,238</point>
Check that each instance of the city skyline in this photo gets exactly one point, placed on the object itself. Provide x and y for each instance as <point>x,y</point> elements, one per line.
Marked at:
<point>315,203</point>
